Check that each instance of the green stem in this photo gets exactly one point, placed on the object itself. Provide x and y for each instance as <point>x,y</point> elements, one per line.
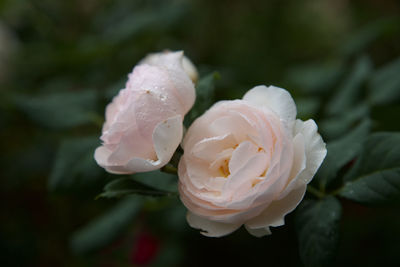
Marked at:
<point>169,169</point>
<point>337,191</point>
<point>315,191</point>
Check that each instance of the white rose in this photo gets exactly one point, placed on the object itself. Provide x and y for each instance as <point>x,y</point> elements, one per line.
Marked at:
<point>248,162</point>
<point>143,124</point>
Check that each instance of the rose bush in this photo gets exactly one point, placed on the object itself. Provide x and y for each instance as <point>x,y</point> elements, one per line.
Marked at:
<point>248,162</point>
<point>143,124</point>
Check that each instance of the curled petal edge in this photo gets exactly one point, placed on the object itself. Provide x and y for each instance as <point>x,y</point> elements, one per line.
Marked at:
<point>166,138</point>
<point>210,228</point>
<point>276,99</point>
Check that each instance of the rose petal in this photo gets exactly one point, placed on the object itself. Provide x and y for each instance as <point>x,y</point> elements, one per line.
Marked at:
<point>166,138</point>
<point>276,211</point>
<point>277,99</point>
<point>233,124</point>
<point>129,147</point>
<point>172,62</point>
<point>299,164</point>
<point>101,155</point>
<point>190,69</point>
<point>208,148</point>
<point>241,181</point>
<point>260,232</point>
<point>315,148</point>
<point>210,228</point>
<point>241,155</point>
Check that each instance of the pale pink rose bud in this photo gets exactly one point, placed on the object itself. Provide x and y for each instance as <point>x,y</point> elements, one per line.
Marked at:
<point>158,58</point>
<point>143,124</point>
<point>248,162</point>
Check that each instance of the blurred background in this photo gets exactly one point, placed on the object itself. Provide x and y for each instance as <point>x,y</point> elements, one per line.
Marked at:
<point>61,62</point>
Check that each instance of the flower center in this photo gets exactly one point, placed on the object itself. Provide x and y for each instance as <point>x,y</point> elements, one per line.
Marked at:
<point>224,168</point>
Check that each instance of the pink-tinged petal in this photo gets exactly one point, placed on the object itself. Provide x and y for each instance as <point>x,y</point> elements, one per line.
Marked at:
<point>162,58</point>
<point>315,148</point>
<point>207,125</point>
<point>172,63</point>
<point>215,183</point>
<point>299,164</point>
<point>150,108</point>
<point>258,195</point>
<point>101,155</point>
<point>277,99</point>
<point>208,148</point>
<point>197,132</point>
<point>210,228</point>
<point>259,232</point>
<point>221,158</point>
<point>274,214</point>
<point>242,181</point>
<point>135,165</point>
<point>129,147</point>
<point>113,135</point>
<point>233,123</point>
<point>241,155</point>
<point>166,138</point>
<point>198,172</point>
<point>190,69</point>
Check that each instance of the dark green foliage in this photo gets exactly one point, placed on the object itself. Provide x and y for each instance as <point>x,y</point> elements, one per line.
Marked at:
<point>205,97</point>
<point>341,151</point>
<point>349,91</point>
<point>157,179</point>
<point>105,229</point>
<point>59,110</point>
<point>336,126</point>
<point>74,165</point>
<point>316,78</point>
<point>317,225</point>
<point>307,107</point>
<point>375,178</point>
<point>384,85</point>
<point>61,62</point>
<point>127,186</point>
<point>359,41</point>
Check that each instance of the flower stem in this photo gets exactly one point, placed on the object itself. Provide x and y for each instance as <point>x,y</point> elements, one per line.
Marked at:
<point>169,168</point>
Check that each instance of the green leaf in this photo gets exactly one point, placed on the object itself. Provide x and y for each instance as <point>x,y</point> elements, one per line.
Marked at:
<point>117,29</point>
<point>317,224</point>
<point>375,178</point>
<point>127,186</point>
<point>341,151</point>
<point>74,164</point>
<point>349,91</point>
<point>338,125</point>
<point>157,179</point>
<point>384,85</point>
<point>307,107</point>
<point>315,77</point>
<point>205,96</point>
<point>362,39</point>
<point>59,110</point>
<point>105,229</point>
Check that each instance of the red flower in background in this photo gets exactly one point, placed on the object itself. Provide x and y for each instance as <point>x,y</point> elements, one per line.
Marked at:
<point>145,249</point>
